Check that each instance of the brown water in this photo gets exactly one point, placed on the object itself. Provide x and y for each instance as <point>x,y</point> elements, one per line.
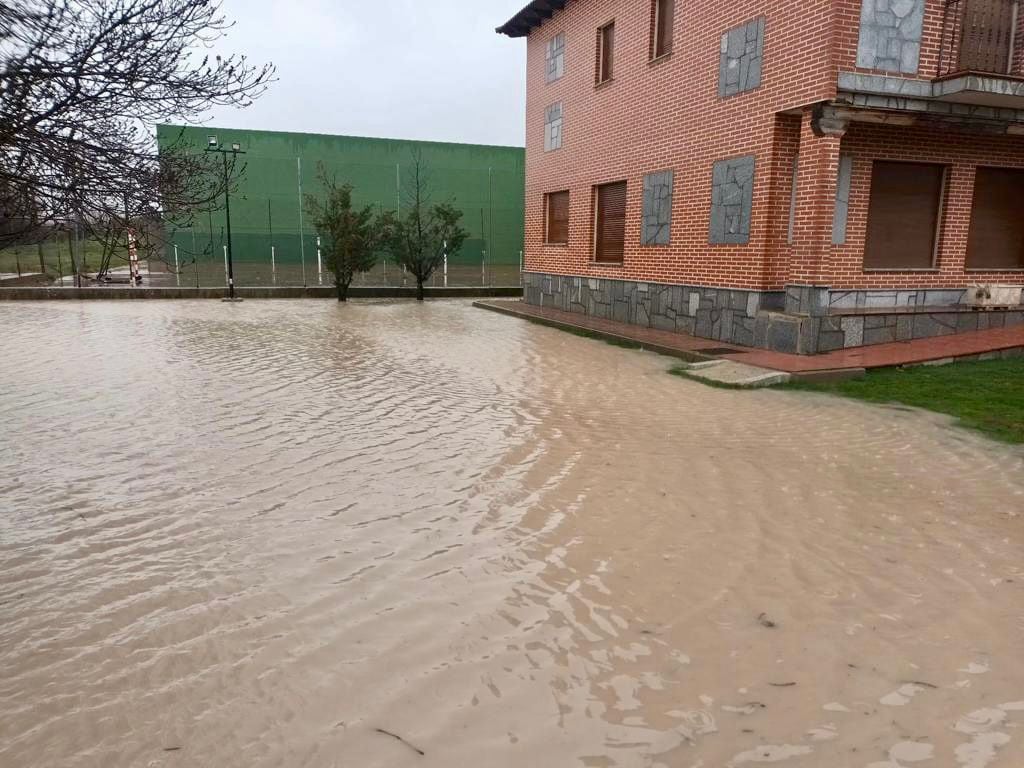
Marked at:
<point>252,535</point>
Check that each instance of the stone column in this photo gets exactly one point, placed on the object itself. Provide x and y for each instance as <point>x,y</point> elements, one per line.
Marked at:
<point>821,132</point>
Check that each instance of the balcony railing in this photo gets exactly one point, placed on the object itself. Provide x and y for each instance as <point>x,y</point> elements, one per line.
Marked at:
<point>981,36</point>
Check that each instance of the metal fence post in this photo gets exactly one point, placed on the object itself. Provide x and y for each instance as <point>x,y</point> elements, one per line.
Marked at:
<point>302,241</point>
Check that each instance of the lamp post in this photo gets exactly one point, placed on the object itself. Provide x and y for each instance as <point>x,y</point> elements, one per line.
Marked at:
<point>214,146</point>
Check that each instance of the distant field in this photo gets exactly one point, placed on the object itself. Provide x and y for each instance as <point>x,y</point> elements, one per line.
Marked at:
<point>56,257</point>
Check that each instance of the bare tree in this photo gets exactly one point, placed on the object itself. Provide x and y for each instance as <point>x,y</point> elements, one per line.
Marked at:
<point>350,235</point>
<point>82,82</point>
<point>421,237</point>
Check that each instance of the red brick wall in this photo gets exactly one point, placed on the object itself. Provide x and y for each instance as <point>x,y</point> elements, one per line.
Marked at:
<point>667,114</point>
<point>962,152</point>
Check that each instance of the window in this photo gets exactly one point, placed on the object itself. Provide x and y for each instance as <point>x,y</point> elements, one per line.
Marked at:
<point>739,67</point>
<point>903,215</point>
<point>657,216</point>
<point>557,205</point>
<point>610,222</point>
<point>732,200</point>
<point>661,40</point>
<point>555,57</point>
<point>553,127</point>
<point>996,239</point>
<point>605,52</point>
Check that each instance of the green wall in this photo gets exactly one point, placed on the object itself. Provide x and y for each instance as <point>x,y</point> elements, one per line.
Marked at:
<point>487,183</point>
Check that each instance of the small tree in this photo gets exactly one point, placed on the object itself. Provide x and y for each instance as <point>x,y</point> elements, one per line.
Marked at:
<point>419,238</point>
<point>350,236</point>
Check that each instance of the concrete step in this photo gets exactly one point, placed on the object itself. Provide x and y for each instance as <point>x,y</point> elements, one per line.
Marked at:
<point>729,373</point>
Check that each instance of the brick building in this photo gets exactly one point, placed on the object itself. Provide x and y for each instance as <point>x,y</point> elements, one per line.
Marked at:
<point>802,175</point>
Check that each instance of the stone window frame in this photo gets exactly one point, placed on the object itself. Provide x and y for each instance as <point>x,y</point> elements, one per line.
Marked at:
<point>747,201</point>
<point>844,183</point>
<point>553,126</point>
<point>723,58</point>
<point>793,191</point>
<point>646,242</point>
<point>554,58</point>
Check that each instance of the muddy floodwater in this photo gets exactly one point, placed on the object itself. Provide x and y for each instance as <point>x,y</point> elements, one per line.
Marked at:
<point>386,535</point>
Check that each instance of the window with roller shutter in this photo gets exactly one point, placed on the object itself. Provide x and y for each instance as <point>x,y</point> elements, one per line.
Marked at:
<point>605,53</point>
<point>557,205</point>
<point>664,16</point>
<point>610,222</point>
<point>996,239</point>
<point>903,215</point>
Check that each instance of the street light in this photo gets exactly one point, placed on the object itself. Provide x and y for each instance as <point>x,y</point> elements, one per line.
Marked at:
<point>212,145</point>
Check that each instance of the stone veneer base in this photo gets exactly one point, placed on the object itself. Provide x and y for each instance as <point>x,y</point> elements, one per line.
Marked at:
<point>802,319</point>
<point>722,314</point>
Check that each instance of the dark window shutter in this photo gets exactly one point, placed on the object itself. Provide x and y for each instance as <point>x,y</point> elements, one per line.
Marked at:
<point>610,237</point>
<point>903,215</point>
<point>996,239</point>
<point>663,31</point>
<point>558,218</point>
<point>607,59</point>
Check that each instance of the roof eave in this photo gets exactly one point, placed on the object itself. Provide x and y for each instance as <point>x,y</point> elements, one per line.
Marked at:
<point>530,17</point>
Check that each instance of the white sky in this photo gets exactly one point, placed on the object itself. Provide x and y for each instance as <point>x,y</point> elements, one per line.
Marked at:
<point>407,69</point>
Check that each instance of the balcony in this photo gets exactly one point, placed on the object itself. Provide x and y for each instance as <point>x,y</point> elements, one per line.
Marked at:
<point>981,59</point>
<point>981,37</point>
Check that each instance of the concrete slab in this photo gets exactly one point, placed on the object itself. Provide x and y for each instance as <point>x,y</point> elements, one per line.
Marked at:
<point>733,374</point>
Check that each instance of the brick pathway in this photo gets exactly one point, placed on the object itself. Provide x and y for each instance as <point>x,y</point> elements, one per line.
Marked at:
<point>686,346</point>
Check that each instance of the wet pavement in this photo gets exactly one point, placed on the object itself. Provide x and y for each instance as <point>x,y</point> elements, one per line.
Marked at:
<point>301,534</point>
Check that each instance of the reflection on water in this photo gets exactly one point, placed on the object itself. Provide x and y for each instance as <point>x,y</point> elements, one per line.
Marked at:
<point>298,534</point>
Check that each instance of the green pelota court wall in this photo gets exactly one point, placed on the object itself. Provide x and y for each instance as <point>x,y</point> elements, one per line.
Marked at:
<point>486,182</point>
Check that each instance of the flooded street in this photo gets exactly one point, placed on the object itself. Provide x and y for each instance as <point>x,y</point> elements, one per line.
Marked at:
<point>300,534</point>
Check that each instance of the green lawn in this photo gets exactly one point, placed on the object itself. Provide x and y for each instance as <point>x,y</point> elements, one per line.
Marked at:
<point>987,396</point>
<point>56,257</point>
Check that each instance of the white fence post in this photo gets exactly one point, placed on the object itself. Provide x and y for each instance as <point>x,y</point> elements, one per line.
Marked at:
<point>319,264</point>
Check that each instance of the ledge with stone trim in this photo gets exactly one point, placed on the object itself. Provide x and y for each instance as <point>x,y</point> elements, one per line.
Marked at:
<point>979,345</point>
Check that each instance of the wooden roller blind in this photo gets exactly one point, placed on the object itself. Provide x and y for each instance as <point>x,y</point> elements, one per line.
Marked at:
<point>558,218</point>
<point>610,222</point>
<point>664,15</point>
<point>903,215</point>
<point>996,239</point>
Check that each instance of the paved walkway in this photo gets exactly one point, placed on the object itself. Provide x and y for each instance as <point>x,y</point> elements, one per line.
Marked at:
<point>693,348</point>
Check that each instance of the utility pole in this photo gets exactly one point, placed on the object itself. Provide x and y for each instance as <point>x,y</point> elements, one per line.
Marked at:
<point>214,146</point>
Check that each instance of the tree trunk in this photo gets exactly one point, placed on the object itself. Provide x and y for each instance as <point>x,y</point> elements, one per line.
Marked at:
<point>419,289</point>
<point>342,290</point>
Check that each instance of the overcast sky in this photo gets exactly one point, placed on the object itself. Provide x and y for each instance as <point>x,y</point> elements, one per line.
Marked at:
<point>408,69</point>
